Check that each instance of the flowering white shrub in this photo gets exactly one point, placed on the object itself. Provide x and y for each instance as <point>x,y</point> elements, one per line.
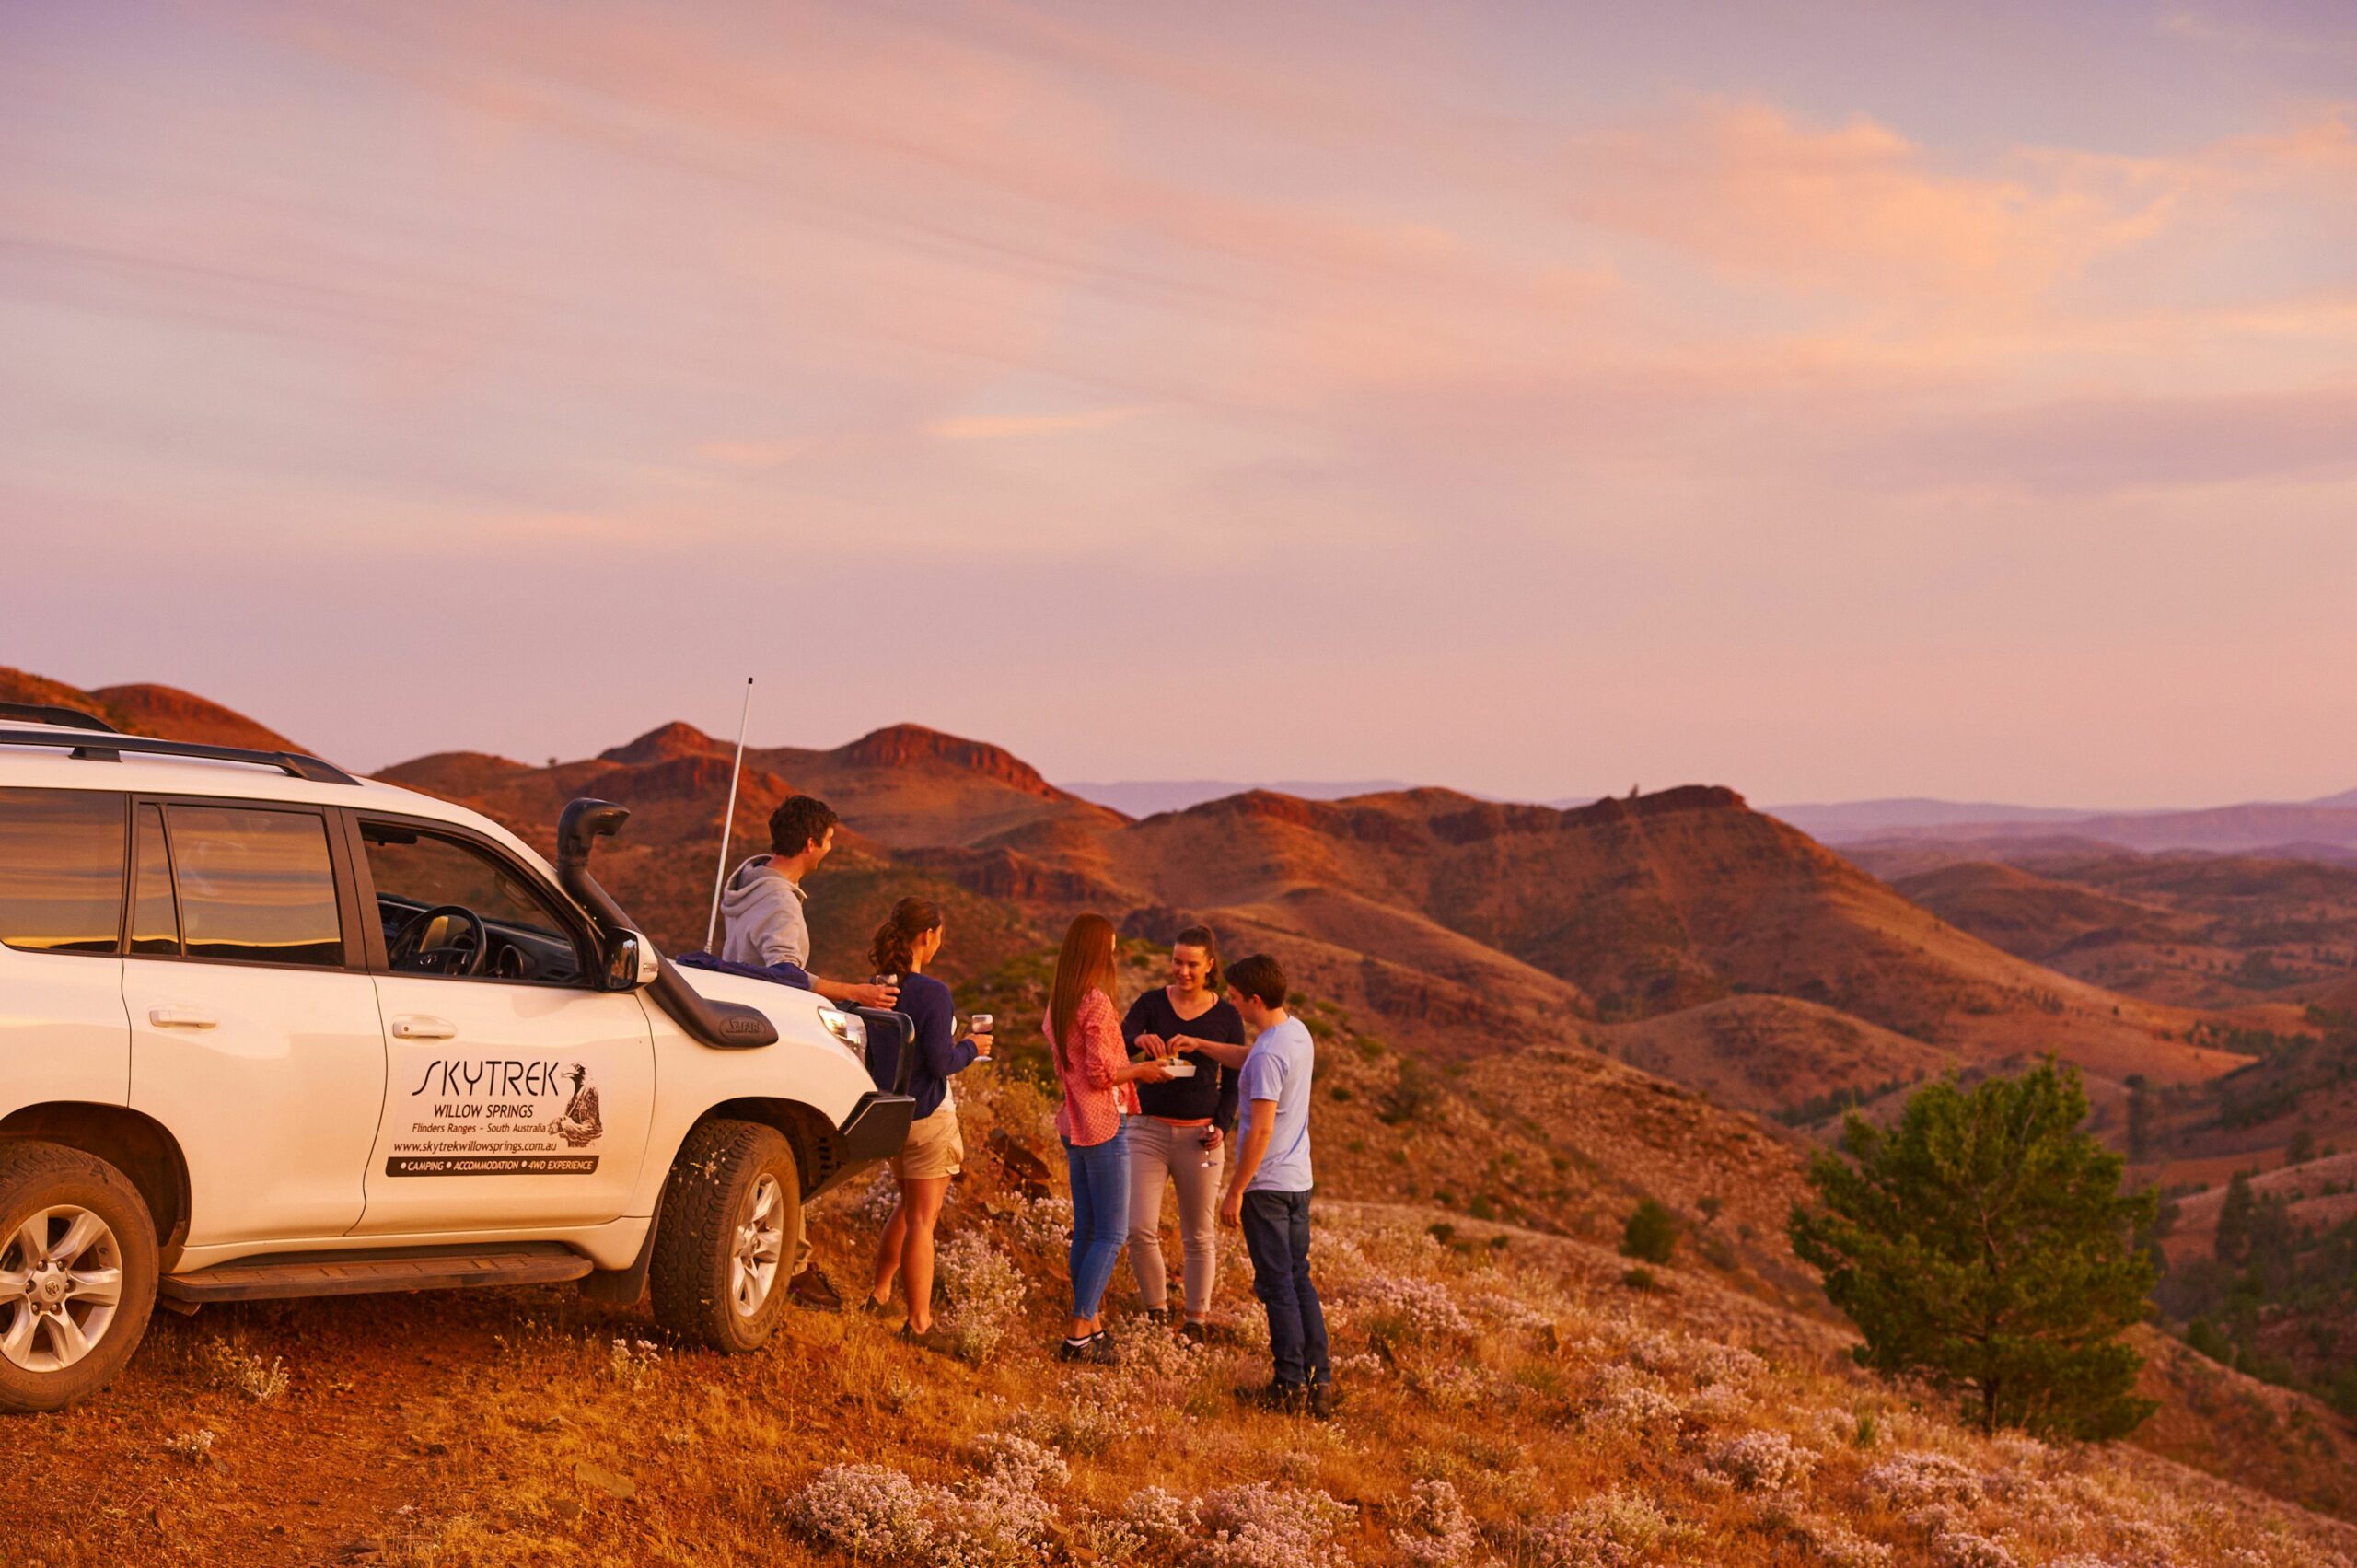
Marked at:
<point>1261,1525</point>
<point>1046,1224</point>
<point>1151,1351</point>
<point>1409,1307</point>
<point>1105,1538</point>
<point>869,1511</point>
<point>1089,1422</point>
<point>1628,1403</point>
<point>1164,1519</point>
<point>1763,1461</point>
<point>1453,1385</point>
<point>986,1292</point>
<point>1912,1480</point>
<point>1702,1362</point>
<point>996,1519</point>
<point>1437,1530</point>
<point>1030,1464</point>
<point>1843,1548</point>
<point>1606,1530</point>
<point>1969,1549</point>
<point>875,1204</point>
<point>991,1520</point>
<point>1500,1310</point>
<point>1720,1402</point>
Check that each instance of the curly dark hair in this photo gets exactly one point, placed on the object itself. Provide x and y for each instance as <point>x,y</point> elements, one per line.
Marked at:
<point>799,821</point>
<point>896,939</point>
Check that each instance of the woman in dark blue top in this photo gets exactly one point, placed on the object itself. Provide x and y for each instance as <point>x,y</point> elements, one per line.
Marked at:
<point>904,944</point>
<point>1176,1141</point>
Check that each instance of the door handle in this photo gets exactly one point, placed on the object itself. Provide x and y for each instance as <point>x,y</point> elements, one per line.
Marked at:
<point>181,1019</point>
<point>417,1025</point>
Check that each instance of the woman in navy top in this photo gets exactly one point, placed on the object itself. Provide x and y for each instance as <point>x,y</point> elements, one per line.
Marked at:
<point>1179,1137</point>
<point>904,945</point>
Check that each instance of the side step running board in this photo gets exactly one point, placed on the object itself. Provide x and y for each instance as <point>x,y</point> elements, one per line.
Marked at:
<point>372,1269</point>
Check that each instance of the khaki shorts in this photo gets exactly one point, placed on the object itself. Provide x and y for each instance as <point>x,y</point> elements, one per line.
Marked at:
<point>935,1148</point>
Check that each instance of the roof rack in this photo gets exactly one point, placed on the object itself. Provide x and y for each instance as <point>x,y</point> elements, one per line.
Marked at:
<point>48,713</point>
<point>108,746</point>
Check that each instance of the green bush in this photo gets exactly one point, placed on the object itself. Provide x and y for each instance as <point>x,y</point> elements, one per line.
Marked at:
<point>1651,1233</point>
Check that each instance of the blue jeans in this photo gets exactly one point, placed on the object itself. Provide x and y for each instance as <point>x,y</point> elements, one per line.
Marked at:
<point>1100,1215</point>
<point>1276,1232</point>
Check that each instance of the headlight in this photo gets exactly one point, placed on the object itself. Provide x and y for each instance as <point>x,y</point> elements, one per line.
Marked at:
<point>847,1028</point>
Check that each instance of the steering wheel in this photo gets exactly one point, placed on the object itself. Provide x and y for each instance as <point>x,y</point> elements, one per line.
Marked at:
<point>408,952</point>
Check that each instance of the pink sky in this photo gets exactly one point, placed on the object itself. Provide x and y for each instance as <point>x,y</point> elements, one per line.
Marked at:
<point>1822,399</point>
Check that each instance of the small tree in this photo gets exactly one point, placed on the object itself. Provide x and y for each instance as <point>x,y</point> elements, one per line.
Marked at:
<point>1651,1233</point>
<point>1984,1245</point>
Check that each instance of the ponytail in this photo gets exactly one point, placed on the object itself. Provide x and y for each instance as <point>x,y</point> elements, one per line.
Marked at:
<point>1200,937</point>
<point>896,939</point>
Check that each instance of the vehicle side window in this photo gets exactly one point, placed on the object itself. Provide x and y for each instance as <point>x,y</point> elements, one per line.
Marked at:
<point>417,872</point>
<point>60,870</point>
<point>154,917</point>
<point>255,885</point>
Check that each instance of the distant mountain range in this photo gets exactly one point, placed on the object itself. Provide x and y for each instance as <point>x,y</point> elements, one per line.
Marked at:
<point>2325,828</point>
<point>1146,797</point>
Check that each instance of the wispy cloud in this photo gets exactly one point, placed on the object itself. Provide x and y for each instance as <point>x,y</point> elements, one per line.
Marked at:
<point>995,427</point>
<point>754,454</point>
<point>1364,296</point>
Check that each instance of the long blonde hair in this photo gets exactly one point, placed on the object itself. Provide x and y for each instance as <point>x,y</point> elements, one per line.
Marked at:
<point>1086,964</point>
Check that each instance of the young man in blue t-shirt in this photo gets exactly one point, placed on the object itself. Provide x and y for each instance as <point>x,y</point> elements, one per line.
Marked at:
<point>1269,1192</point>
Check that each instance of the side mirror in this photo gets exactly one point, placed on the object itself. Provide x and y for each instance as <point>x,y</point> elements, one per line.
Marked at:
<point>632,962</point>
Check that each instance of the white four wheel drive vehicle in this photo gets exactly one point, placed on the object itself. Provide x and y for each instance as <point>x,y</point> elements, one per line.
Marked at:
<point>270,1031</point>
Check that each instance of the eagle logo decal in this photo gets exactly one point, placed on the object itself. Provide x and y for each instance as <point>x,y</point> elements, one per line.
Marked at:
<point>580,1123</point>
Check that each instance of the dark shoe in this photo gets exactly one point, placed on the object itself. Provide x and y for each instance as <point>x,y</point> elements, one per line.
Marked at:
<point>1096,1350</point>
<point>1201,1333</point>
<point>1285,1399</point>
<point>931,1339</point>
<point>813,1292</point>
<point>871,1307</point>
<point>1322,1401</point>
<point>1157,1315</point>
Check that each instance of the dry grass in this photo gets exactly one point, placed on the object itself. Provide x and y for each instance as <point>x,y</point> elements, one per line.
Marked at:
<point>1508,1401</point>
<point>1514,1405</point>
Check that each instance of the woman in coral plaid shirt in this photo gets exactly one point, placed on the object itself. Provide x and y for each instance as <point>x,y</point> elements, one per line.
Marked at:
<point>1084,1032</point>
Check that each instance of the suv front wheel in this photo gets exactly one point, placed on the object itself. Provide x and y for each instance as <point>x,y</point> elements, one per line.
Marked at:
<point>77,1273</point>
<point>725,1239</point>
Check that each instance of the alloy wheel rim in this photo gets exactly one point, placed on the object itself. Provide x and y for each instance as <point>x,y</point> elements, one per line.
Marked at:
<point>761,1242</point>
<point>60,1284</point>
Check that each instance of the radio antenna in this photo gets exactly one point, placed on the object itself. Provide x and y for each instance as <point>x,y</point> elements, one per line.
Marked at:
<point>729,820</point>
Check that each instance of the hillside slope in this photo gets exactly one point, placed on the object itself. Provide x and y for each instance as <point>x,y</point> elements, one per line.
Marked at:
<point>145,708</point>
<point>1646,906</point>
<point>2200,930</point>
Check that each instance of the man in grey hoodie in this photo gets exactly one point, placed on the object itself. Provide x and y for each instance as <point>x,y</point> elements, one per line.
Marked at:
<point>762,903</point>
<point>763,906</point>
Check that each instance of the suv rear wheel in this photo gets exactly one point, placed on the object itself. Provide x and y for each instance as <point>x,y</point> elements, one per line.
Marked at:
<point>77,1273</point>
<point>725,1244</point>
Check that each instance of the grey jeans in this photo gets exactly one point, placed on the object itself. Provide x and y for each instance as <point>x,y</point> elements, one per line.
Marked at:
<point>1158,1150</point>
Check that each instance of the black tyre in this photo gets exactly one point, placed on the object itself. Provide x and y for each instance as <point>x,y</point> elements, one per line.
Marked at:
<point>78,1275</point>
<point>725,1241</point>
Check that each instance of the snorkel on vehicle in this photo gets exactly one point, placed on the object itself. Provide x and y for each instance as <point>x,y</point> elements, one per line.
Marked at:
<point>726,1025</point>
